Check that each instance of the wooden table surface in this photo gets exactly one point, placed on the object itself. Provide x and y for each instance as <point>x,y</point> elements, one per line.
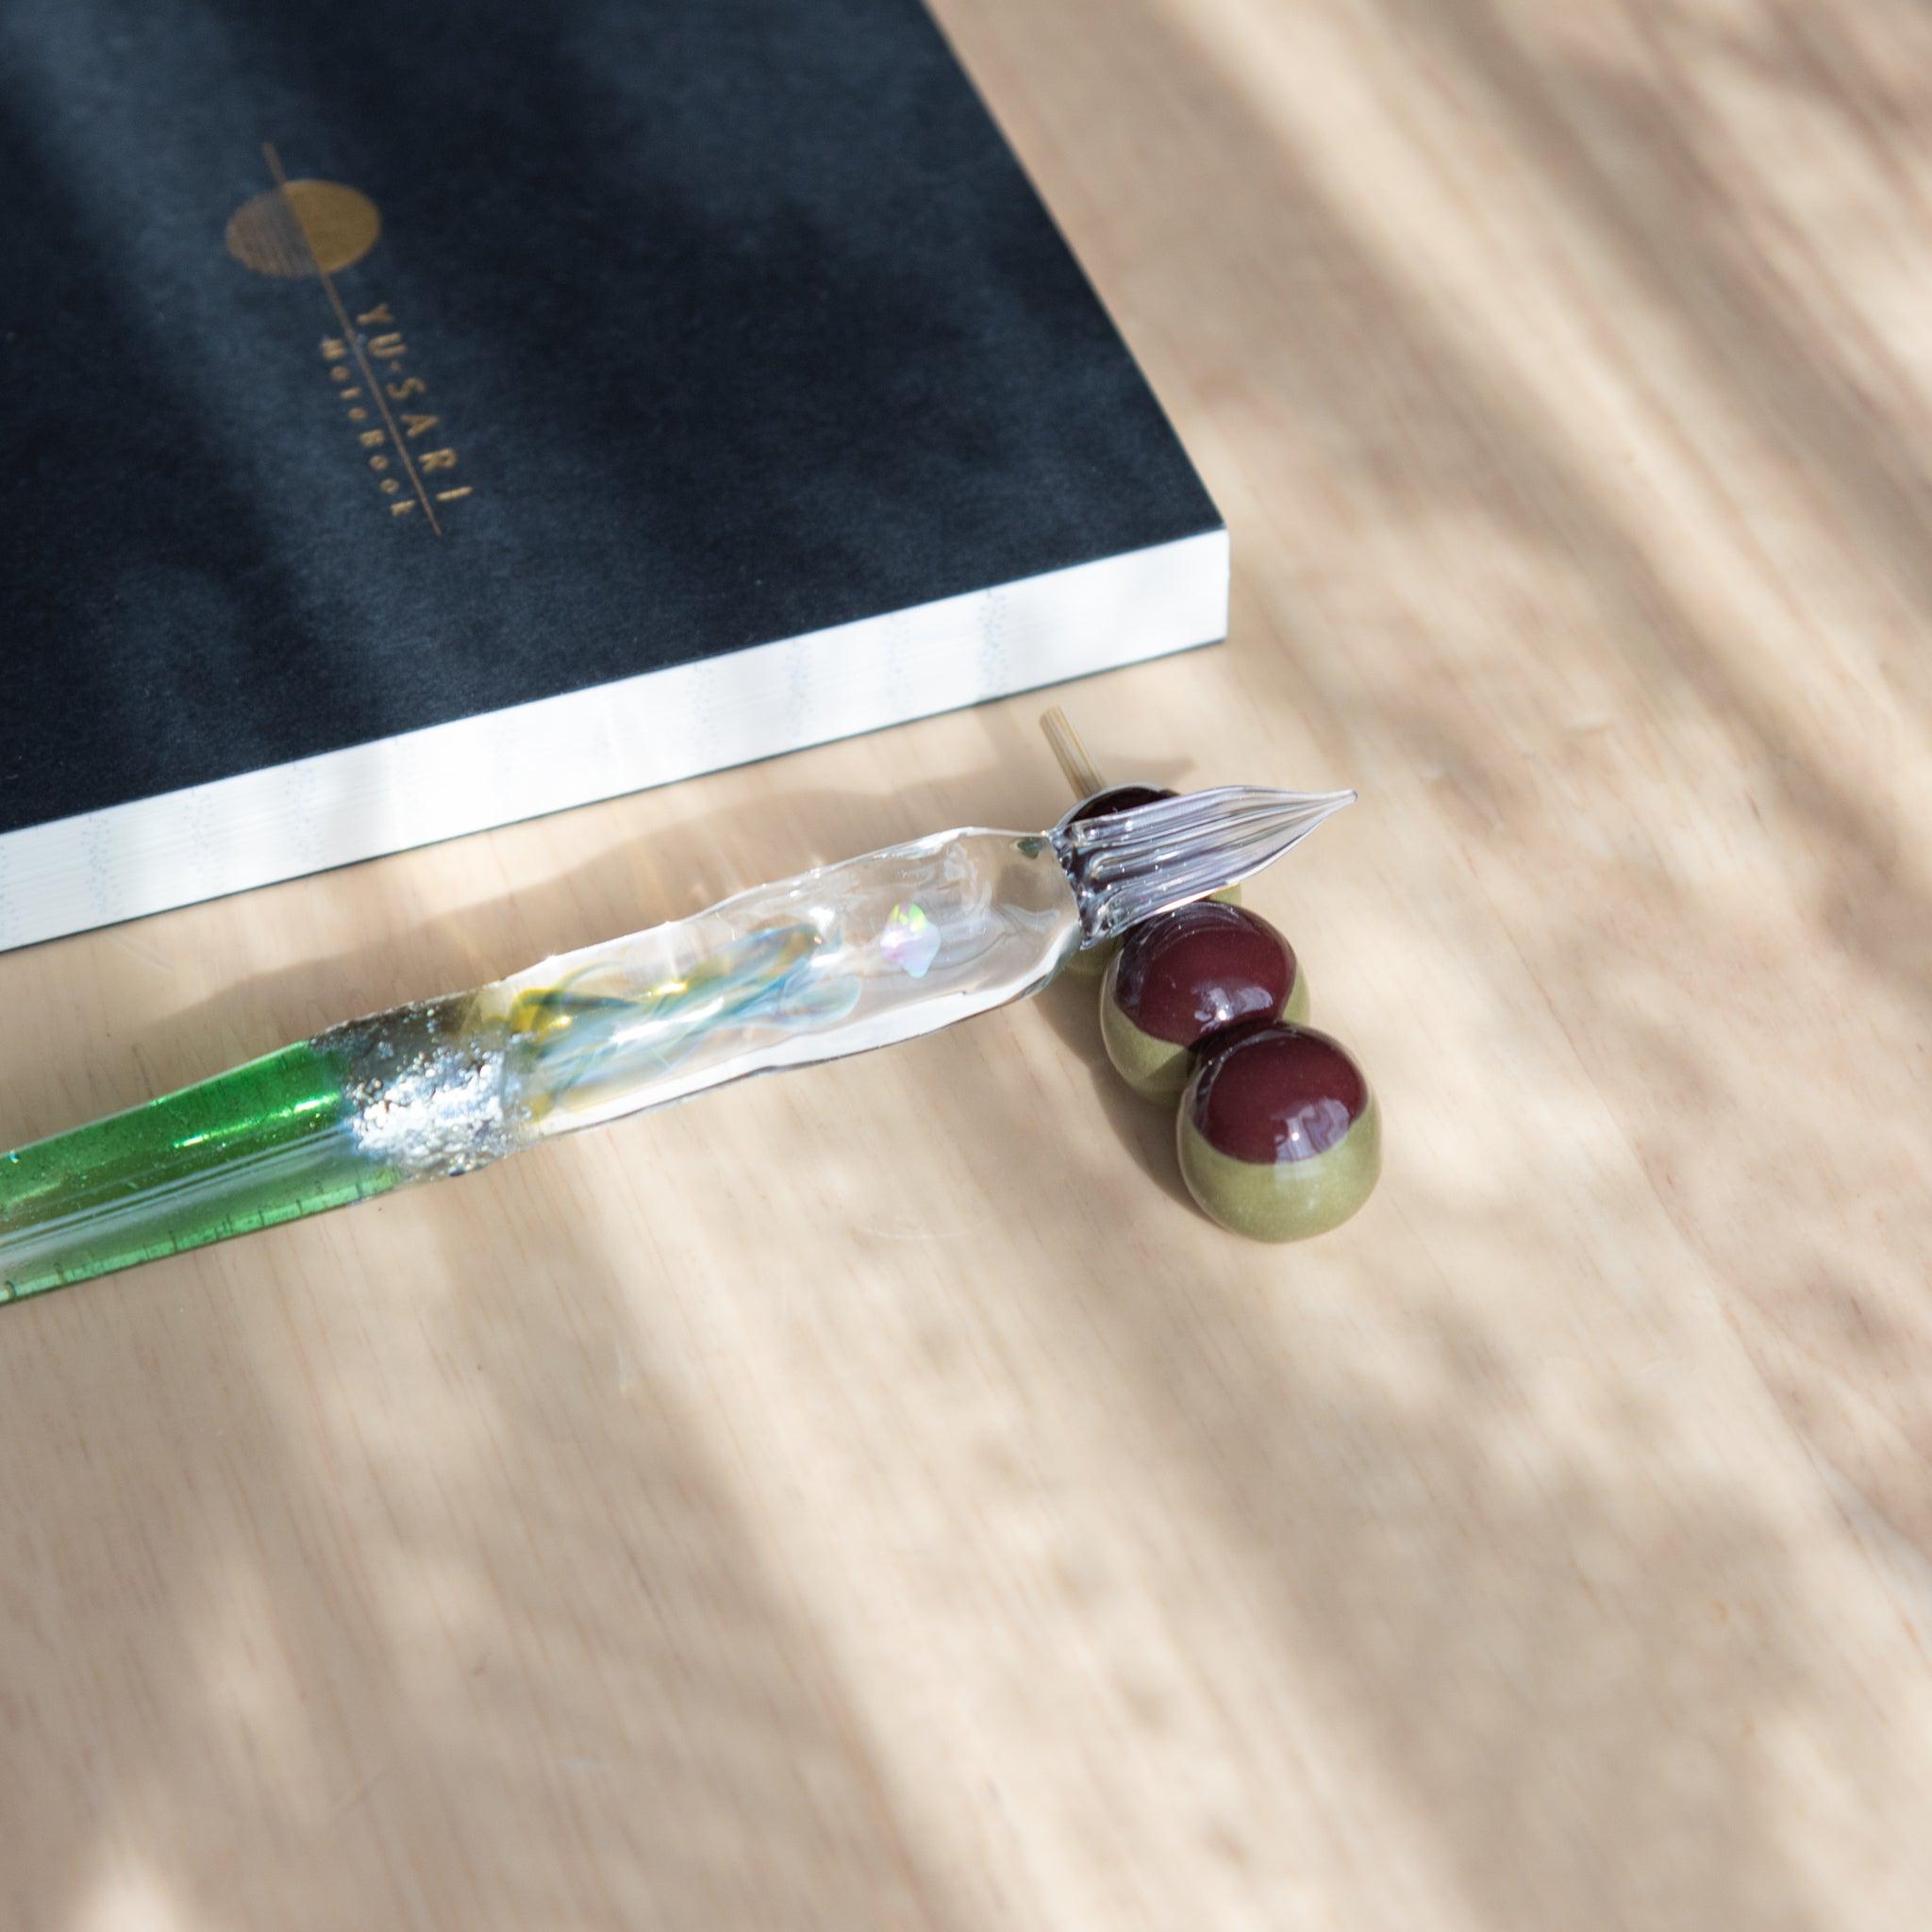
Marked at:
<point>873,1498</point>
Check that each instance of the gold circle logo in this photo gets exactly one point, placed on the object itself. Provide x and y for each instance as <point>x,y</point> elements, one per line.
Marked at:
<point>304,229</point>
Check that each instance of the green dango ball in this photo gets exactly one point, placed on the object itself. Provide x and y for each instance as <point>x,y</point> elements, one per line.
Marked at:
<point>1181,978</point>
<point>1280,1136</point>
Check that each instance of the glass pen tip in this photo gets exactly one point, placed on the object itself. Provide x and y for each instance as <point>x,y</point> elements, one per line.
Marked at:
<point>1132,864</point>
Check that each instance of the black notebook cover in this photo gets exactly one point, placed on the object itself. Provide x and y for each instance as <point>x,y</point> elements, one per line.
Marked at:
<point>422,415</point>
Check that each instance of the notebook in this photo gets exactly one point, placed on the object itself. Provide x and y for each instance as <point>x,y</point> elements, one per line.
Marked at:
<point>420,418</point>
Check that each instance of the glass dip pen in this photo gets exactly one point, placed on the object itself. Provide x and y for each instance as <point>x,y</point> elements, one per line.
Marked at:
<point>838,961</point>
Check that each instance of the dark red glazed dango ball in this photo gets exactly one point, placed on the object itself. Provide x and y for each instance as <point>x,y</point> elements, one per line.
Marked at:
<point>1280,1136</point>
<point>1115,798</point>
<point>1186,976</point>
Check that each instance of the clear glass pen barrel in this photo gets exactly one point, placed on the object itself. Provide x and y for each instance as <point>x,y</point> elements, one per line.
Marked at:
<point>835,962</point>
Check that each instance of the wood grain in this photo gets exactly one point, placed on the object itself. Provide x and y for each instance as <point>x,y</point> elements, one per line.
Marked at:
<point>873,1499</point>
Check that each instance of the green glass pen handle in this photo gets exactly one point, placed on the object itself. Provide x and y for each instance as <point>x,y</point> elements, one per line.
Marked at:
<point>837,960</point>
